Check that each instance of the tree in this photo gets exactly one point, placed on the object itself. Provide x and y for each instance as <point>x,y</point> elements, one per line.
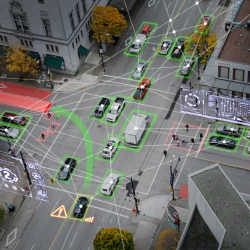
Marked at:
<point>2,214</point>
<point>167,240</point>
<point>202,45</point>
<point>113,239</point>
<point>107,23</point>
<point>17,59</point>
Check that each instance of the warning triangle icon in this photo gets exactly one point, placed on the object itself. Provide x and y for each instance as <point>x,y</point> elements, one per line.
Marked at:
<point>60,213</point>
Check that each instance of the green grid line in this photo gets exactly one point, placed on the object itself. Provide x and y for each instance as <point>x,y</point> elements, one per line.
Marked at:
<point>126,52</point>
<point>62,162</point>
<point>117,186</point>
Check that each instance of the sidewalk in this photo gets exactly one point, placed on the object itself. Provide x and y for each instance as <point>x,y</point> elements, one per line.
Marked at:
<point>153,219</point>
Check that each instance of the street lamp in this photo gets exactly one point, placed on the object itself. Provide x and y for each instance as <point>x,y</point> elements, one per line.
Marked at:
<point>136,200</point>
<point>173,175</point>
<point>26,170</point>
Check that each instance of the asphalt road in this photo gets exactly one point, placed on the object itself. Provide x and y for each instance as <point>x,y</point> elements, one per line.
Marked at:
<point>70,139</point>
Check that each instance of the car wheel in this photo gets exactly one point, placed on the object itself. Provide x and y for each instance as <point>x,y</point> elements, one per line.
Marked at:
<point>111,193</point>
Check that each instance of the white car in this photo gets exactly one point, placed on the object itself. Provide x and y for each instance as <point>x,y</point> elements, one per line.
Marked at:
<point>187,66</point>
<point>116,109</point>
<point>110,147</point>
<point>141,67</point>
<point>165,46</point>
<point>9,132</point>
<point>110,183</point>
<point>138,44</point>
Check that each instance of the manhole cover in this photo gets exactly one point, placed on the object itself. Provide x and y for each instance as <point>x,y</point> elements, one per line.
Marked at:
<point>99,126</point>
<point>65,80</point>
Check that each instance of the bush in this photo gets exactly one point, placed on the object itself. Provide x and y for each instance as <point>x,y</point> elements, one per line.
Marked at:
<point>167,240</point>
<point>2,214</point>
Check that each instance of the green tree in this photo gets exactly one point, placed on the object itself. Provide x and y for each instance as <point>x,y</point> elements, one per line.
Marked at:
<point>2,214</point>
<point>17,59</point>
<point>168,240</point>
<point>113,239</point>
<point>107,23</point>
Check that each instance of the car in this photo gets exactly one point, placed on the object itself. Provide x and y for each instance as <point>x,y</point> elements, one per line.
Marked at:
<point>180,44</point>
<point>145,83</point>
<point>204,23</point>
<point>187,66</point>
<point>142,89</point>
<point>14,118</point>
<point>102,106</point>
<point>178,48</point>
<point>9,132</point>
<point>110,147</point>
<point>228,130</point>
<point>137,44</point>
<point>116,109</point>
<point>80,207</point>
<point>165,47</point>
<point>139,70</point>
<point>66,169</point>
<point>109,184</point>
<point>222,142</point>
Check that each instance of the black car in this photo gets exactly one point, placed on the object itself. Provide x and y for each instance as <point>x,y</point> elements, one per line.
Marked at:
<point>180,43</point>
<point>66,169</point>
<point>80,207</point>
<point>222,142</point>
<point>228,130</point>
<point>178,48</point>
<point>102,106</point>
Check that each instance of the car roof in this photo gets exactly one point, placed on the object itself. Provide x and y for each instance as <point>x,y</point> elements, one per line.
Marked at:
<point>113,138</point>
<point>103,100</point>
<point>9,114</point>
<point>69,160</point>
<point>141,63</point>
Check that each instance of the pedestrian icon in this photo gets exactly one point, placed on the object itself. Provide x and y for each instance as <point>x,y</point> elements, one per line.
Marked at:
<point>60,213</point>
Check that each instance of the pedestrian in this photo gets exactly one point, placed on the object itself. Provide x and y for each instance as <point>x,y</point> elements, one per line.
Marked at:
<point>192,140</point>
<point>176,137</point>
<point>43,136</point>
<point>183,142</point>
<point>165,152</point>
<point>190,85</point>
<point>53,127</point>
<point>178,142</point>
<point>173,136</point>
<point>49,114</point>
<point>201,136</point>
<point>187,126</point>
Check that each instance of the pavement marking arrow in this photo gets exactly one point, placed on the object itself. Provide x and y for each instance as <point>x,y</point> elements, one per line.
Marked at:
<point>60,213</point>
<point>2,86</point>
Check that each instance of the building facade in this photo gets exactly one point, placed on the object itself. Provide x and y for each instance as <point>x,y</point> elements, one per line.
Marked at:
<point>56,32</point>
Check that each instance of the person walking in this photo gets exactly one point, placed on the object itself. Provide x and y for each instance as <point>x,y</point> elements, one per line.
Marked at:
<point>49,114</point>
<point>201,136</point>
<point>192,140</point>
<point>177,142</point>
<point>174,136</point>
<point>43,136</point>
<point>187,126</point>
<point>53,127</point>
<point>183,142</point>
<point>165,152</point>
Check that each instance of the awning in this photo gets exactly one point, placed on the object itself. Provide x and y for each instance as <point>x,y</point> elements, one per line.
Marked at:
<point>83,51</point>
<point>247,89</point>
<point>236,86</point>
<point>221,84</point>
<point>34,55</point>
<point>55,62</point>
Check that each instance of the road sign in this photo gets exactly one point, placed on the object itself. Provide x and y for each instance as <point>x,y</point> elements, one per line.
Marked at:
<point>60,213</point>
<point>89,219</point>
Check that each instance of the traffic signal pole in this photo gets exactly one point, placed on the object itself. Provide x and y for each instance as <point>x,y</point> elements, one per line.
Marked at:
<point>136,201</point>
<point>26,170</point>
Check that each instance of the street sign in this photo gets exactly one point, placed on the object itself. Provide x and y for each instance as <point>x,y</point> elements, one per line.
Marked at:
<point>173,217</point>
<point>59,213</point>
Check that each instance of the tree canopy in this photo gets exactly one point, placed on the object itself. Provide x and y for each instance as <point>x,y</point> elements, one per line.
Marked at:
<point>16,59</point>
<point>167,240</point>
<point>113,239</point>
<point>107,23</point>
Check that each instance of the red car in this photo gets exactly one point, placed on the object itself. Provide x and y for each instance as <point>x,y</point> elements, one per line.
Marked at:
<point>204,23</point>
<point>142,89</point>
<point>14,118</point>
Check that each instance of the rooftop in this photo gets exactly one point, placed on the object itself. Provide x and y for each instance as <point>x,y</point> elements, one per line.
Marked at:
<point>237,44</point>
<point>228,206</point>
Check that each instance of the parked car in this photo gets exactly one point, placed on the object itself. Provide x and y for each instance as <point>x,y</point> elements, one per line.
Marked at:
<point>102,106</point>
<point>204,23</point>
<point>80,207</point>
<point>187,66</point>
<point>9,132</point>
<point>137,44</point>
<point>14,118</point>
<point>66,169</point>
<point>146,30</point>
<point>139,70</point>
<point>146,83</point>
<point>228,130</point>
<point>142,89</point>
<point>116,109</point>
<point>110,147</point>
<point>178,48</point>
<point>222,142</point>
<point>165,46</point>
<point>110,183</point>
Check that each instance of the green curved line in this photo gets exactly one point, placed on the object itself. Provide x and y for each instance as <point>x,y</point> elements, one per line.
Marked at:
<point>60,111</point>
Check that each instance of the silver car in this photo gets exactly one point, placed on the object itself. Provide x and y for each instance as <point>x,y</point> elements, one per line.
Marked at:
<point>9,132</point>
<point>187,66</point>
<point>165,47</point>
<point>141,67</point>
<point>110,147</point>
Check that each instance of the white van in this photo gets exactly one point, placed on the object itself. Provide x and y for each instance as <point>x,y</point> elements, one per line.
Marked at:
<point>109,184</point>
<point>137,44</point>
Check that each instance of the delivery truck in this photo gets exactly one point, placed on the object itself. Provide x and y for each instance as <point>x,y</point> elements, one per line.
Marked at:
<point>135,129</point>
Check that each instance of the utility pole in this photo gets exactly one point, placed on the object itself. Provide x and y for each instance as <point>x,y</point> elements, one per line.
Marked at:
<point>26,170</point>
<point>136,201</point>
<point>173,175</point>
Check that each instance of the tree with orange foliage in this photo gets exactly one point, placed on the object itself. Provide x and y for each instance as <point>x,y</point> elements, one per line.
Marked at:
<point>167,240</point>
<point>107,23</point>
<point>17,59</point>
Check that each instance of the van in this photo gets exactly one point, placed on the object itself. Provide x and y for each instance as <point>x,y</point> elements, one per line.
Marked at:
<point>138,43</point>
<point>110,183</point>
<point>146,30</point>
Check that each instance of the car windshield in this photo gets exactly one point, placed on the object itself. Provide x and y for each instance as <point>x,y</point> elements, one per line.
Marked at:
<point>138,92</point>
<point>65,168</point>
<point>135,46</point>
<point>18,118</point>
<point>10,129</point>
<point>186,63</point>
<point>106,152</point>
<point>112,111</point>
<point>138,70</point>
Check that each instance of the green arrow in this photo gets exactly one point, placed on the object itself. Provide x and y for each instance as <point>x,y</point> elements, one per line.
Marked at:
<point>60,111</point>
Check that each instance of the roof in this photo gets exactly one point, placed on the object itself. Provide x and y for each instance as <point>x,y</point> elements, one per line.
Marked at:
<point>228,206</point>
<point>236,47</point>
<point>135,121</point>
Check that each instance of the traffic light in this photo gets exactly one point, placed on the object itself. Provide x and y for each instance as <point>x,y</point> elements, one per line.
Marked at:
<point>170,189</point>
<point>52,180</point>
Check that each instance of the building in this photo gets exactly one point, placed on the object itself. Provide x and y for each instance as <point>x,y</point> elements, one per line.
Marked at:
<point>219,218</point>
<point>56,32</point>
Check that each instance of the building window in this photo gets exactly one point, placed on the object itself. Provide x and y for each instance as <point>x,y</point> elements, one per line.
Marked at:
<point>46,25</point>
<point>26,43</point>
<point>47,47</point>
<point>30,44</point>
<point>21,40</point>
<point>57,49</point>
<point>223,72</point>
<point>78,12</point>
<point>238,75</point>
<point>81,33</point>
<point>73,45</point>
<point>71,20</point>
<point>248,77</point>
<point>40,1</point>
<point>52,48</point>
<point>21,22</point>
<point>84,7</point>
<point>3,39</point>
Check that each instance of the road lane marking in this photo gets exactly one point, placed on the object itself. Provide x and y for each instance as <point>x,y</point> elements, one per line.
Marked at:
<point>103,218</point>
<point>16,244</point>
<point>111,220</point>
<point>73,239</point>
<point>39,205</point>
<point>186,23</point>
<point>68,235</point>
<point>158,3</point>
<point>98,229</point>
<point>106,210</point>
<point>55,205</point>
<point>14,237</point>
<point>203,140</point>
<point>32,247</point>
